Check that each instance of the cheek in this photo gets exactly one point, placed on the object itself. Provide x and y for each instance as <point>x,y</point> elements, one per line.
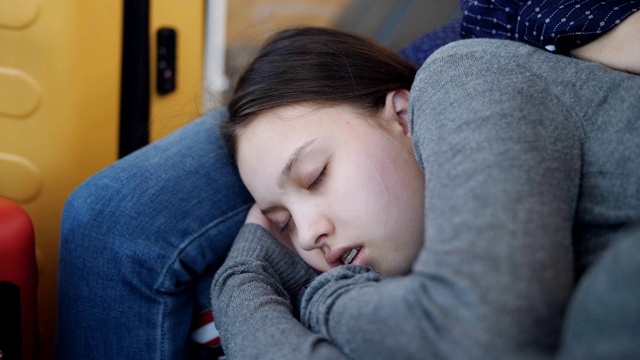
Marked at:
<point>381,194</point>
<point>370,182</point>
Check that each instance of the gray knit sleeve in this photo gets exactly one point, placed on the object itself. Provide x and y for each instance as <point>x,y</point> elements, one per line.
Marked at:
<point>502,158</point>
<point>251,298</point>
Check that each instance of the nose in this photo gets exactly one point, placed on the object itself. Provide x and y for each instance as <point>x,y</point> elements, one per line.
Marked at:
<point>313,230</point>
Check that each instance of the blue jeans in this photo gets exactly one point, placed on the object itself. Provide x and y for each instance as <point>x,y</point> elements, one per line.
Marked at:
<point>140,243</point>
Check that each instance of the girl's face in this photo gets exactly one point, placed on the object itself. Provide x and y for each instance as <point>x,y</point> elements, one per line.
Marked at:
<point>343,188</point>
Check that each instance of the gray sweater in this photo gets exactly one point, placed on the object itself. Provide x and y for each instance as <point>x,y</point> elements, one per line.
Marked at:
<point>532,165</point>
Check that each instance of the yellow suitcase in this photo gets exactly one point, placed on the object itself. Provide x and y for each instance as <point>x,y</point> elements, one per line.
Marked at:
<point>61,97</point>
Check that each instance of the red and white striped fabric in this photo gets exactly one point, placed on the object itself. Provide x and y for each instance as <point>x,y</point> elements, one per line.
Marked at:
<point>204,330</point>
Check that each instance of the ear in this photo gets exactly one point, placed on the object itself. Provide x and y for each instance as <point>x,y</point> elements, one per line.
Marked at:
<point>397,106</point>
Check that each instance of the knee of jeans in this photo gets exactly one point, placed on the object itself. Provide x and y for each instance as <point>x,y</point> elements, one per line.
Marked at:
<point>164,251</point>
<point>90,243</point>
<point>203,252</point>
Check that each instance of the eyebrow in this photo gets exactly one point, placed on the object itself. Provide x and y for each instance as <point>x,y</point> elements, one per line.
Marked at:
<point>298,154</point>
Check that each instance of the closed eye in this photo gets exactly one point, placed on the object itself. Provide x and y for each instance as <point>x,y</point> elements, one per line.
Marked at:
<point>318,179</point>
<point>285,227</point>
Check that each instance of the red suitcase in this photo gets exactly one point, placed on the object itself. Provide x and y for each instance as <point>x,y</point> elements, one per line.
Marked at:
<point>18,283</point>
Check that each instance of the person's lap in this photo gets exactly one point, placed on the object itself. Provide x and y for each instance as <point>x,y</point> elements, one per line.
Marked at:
<point>140,243</point>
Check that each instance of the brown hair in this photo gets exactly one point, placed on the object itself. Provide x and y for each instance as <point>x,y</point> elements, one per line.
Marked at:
<point>314,65</point>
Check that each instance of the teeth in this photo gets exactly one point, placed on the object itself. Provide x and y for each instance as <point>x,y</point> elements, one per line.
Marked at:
<point>348,257</point>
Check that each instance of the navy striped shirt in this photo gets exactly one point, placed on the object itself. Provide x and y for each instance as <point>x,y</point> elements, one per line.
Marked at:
<point>558,26</point>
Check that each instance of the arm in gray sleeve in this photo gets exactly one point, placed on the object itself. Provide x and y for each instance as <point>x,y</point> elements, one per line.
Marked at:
<point>251,298</point>
<point>502,160</point>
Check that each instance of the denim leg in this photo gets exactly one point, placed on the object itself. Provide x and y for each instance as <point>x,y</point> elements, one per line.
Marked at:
<point>141,241</point>
<point>603,318</point>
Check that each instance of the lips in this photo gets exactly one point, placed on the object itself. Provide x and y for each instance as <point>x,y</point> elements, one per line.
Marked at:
<point>348,256</point>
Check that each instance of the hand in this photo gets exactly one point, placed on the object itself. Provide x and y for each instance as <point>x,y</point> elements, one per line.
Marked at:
<point>618,49</point>
<point>257,249</point>
<point>256,216</point>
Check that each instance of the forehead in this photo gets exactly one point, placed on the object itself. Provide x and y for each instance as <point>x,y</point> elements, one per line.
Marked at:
<point>282,128</point>
<point>272,130</point>
<point>265,145</point>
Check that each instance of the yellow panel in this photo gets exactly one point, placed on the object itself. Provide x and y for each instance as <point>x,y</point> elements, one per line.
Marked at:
<point>18,13</point>
<point>19,93</point>
<point>59,106</point>
<point>60,90</point>
<point>172,110</point>
<point>20,179</point>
